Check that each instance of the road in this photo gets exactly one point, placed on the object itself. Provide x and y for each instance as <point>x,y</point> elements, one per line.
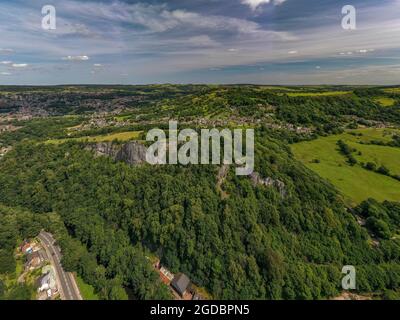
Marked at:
<point>66,282</point>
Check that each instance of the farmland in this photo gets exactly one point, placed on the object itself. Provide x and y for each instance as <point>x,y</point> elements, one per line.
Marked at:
<point>318,94</point>
<point>120,136</point>
<point>354,182</point>
<point>385,102</point>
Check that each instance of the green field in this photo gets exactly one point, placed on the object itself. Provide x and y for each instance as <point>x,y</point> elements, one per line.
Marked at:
<point>121,136</point>
<point>317,94</point>
<point>392,90</point>
<point>87,291</point>
<point>385,102</point>
<point>355,183</point>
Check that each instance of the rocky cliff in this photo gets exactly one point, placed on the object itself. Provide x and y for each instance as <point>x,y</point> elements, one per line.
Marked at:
<point>269,182</point>
<point>132,153</point>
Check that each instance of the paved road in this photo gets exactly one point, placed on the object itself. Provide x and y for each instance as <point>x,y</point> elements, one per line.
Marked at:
<point>66,281</point>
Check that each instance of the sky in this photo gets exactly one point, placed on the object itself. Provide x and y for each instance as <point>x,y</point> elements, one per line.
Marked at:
<point>286,42</point>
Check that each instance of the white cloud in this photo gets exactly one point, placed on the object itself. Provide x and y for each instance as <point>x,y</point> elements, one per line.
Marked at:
<point>6,62</point>
<point>5,74</point>
<point>74,29</point>
<point>254,4</point>
<point>76,58</point>
<point>6,51</point>
<point>158,18</point>
<point>19,65</point>
<point>293,52</point>
<point>202,41</point>
<point>97,65</point>
<point>366,50</point>
<point>157,41</point>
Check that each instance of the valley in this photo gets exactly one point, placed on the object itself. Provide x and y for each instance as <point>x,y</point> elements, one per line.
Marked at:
<point>355,182</point>
<point>324,193</point>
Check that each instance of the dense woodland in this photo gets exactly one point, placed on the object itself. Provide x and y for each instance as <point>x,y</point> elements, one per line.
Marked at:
<point>254,243</point>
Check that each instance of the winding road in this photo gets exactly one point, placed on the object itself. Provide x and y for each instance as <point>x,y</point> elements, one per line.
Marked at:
<point>66,282</point>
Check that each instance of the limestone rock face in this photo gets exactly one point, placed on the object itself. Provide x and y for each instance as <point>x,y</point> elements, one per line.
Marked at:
<point>132,153</point>
<point>104,149</point>
<point>256,179</point>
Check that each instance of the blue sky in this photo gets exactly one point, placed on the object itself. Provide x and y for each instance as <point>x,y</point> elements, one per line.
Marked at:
<point>200,41</point>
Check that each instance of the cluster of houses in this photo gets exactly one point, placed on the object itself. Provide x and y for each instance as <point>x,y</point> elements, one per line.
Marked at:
<point>7,127</point>
<point>36,258</point>
<point>24,106</point>
<point>289,127</point>
<point>180,284</point>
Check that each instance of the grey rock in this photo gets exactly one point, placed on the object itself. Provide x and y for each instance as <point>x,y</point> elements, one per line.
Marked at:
<point>132,153</point>
<point>269,182</point>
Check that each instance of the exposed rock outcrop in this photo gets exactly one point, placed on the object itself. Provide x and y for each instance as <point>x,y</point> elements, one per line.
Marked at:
<point>222,174</point>
<point>269,182</point>
<point>132,153</point>
<point>104,149</point>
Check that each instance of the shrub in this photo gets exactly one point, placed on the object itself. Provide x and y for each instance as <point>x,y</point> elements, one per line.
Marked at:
<point>383,170</point>
<point>370,166</point>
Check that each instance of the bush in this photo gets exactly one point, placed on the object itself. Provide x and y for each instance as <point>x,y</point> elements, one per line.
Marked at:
<point>7,262</point>
<point>383,170</point>
<point>391,295</point>
<point>2,289</point>
<point>370,166</point>
<point>351,160</point>
<point>20,292</point>
<point>379,227</point>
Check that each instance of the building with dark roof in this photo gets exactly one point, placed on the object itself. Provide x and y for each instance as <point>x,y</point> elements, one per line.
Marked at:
<point>180,283</point>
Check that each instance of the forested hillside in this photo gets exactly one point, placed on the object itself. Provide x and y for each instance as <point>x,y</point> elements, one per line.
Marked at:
<point>234,236</point>
<point>253,244</point>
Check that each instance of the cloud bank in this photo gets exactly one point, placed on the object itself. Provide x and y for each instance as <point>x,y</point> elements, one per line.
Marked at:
<point>205,41</point>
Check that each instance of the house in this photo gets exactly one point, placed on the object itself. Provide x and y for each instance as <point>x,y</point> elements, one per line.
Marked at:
<point>33,259</point>
<point>26,248</point>
<point>48,281</point>
<point>180,283</point>
<point>166,276</point>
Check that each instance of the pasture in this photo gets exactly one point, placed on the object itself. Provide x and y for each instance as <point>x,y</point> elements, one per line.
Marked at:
<point>354,182</point>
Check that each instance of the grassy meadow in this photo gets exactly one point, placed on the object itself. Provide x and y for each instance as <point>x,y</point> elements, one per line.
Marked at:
<point>385,102</point>
<point>120,136</point>
<point>87,291</point>
<point>354,182</point>
<point>318,94</point>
